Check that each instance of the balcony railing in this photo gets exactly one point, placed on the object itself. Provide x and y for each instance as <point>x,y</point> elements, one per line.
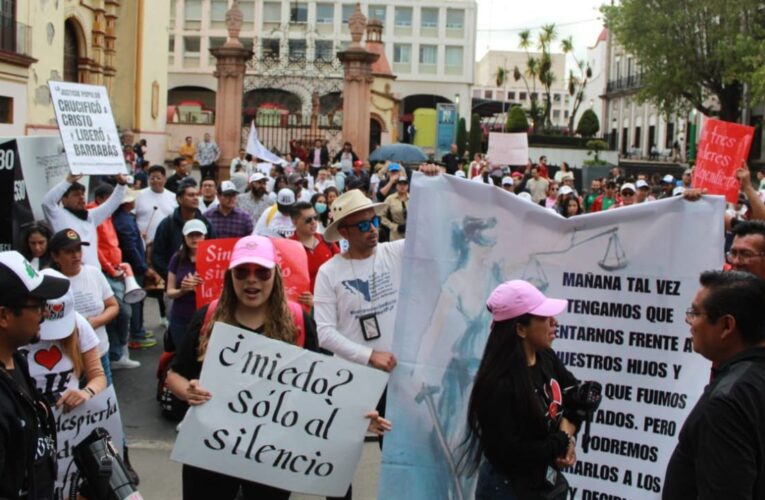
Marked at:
<point>632,82</point>
<point>15,37</point>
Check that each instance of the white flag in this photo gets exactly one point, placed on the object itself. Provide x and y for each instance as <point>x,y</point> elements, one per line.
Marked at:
<point>258,150</point>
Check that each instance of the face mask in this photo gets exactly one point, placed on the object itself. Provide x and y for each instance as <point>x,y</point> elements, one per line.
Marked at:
<point>320,208</point>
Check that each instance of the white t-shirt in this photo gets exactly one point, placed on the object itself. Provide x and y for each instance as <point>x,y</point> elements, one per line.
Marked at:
<point>49,365</point>
<point>279,225</point>
<point>348,290</point>
<point>90,291</point>
<point>145,215</point>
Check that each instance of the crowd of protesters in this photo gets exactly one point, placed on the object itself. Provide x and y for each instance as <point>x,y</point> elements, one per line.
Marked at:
<point>351,218</point>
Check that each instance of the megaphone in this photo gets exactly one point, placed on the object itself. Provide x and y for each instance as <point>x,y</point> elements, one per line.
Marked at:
<point>133,292</point>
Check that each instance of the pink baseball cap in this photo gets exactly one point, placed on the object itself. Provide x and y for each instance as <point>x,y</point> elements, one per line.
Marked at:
<point>517,297</point>
<point>253,249</point>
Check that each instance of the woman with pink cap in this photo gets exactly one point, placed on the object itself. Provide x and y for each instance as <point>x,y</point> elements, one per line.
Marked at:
<point>253,298</point>
<point>520,432</point>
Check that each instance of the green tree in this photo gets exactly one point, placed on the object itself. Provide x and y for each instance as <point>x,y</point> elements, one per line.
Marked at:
<point>690,52</point>
<point>588,124</point>
<point>516,120</point>
<point>531,72</point>
<point>461,139</point>
<point>538,69</point>
<point>476,136</point>
<point>577,81</point>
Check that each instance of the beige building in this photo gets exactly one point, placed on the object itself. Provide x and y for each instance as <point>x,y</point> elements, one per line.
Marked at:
<point>121,44</point>
<point>516,92</point>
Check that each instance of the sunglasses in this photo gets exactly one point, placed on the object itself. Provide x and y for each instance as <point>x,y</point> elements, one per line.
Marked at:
<point>365,226</point>
<point>310,219</point>
<point>241,273</point>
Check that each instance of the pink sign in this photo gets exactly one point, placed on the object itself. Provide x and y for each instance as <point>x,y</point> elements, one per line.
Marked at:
<point>723,148</point>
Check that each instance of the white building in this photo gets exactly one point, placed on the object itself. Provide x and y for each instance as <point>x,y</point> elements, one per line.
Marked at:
<point>430,45</point>
<point>597,59</point>
<point>517,92</point>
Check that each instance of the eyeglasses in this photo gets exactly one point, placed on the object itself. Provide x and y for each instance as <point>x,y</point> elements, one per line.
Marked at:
<point>241,273</point>
<point>691,314</point>
<point>366,225</point>
<point>310,219</point>
<point>742,256</point>
<point>628,193</point>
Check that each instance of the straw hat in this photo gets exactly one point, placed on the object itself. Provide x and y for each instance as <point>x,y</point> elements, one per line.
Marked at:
<point>347,204</point>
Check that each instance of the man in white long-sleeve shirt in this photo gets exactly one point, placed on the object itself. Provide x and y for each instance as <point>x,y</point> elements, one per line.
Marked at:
<point>72,214</point>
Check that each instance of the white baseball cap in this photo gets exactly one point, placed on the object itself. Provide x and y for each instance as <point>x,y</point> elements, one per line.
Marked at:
<point>628,185</point>
<point>257,176</point>
<point>564,190</point>
<point>668,179</point>
<point>642,184</point>
<point>194,226</point>
<point>507,181</point>
<point>678,191</point>
<point>228,187</point>
<point>526,197</point>
<point>59,323</point>
<point>285,197</point>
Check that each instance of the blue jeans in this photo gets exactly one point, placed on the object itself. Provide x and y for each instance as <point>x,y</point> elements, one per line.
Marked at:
<point>137,329</point>
<point>493,484</point>
<point>107,366</point>
<point>119,329</point>
<point>177,329</point>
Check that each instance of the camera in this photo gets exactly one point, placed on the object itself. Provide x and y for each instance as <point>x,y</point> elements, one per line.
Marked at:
<point>582,400</point>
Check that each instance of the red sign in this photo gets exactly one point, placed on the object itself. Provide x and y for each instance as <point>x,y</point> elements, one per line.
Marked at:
<point>723,147</point>
<point>213,257</point>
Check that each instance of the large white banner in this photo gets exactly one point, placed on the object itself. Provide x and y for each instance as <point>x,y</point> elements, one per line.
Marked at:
<point>86,123</point>
<point>71,428</point>
<point>508,149</point>
<point>629,275</point>
<point>279,415</point>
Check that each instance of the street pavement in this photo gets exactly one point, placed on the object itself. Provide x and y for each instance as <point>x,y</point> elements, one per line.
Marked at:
<point>151,437</point>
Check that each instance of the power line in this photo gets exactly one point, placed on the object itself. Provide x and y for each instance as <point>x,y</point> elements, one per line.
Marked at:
<point>557,25</point>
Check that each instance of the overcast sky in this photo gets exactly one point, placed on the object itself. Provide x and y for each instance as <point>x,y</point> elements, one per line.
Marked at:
<point>500,21</point>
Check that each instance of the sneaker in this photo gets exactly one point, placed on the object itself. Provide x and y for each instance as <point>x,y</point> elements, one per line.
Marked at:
<point>124,363</point>
<point>148,334</point>
<point>142,343</point>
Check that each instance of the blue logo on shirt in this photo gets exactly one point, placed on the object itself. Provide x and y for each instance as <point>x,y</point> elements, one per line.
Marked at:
<point>359,286</point>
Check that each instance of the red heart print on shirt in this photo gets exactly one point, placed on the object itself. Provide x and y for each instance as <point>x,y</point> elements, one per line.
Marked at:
<point>48,357</point>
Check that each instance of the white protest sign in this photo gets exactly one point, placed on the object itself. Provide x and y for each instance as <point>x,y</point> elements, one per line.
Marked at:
<point>87,128</point>
<point>71,428</point>
<point>280,415</point>
<point>629,275</point>
<point>508,149</point>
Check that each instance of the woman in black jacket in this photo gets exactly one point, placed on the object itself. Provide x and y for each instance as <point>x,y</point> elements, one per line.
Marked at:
<point>519,431</point>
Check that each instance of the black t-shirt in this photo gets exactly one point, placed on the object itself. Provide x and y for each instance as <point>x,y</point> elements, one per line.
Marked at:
<point>186,362</point>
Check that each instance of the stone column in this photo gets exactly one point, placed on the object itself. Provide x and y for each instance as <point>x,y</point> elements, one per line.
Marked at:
<point>357,67</point>
<point>231,62</point>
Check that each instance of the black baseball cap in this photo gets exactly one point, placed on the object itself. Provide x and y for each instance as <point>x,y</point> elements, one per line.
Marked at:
<point>20,280</point>
<point>66,238</point>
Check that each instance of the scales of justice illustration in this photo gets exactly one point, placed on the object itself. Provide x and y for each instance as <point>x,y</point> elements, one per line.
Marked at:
<point>614,257</point>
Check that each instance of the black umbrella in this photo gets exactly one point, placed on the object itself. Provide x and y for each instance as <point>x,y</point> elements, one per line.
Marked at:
<point>400,152</point>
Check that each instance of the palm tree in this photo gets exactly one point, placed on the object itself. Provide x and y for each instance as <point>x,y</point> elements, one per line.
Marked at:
<point>576,83</point>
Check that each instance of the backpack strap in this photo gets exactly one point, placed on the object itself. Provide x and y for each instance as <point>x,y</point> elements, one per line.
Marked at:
<point>297,317</point>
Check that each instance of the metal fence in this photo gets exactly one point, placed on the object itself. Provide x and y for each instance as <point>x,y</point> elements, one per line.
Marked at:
<point>277,133</point>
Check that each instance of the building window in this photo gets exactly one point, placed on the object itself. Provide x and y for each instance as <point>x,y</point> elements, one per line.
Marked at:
<point>270,48</point>
<point>565,114</point>
<point>173,6</point>
<point>218,10</point>
<point>403,17</point>
<point>402,53</point>
<point>348,10</point>
<point>511,96</point>
<point>171,50</point>
<point>522,96</point>
<point>670,138</point>
<point>298,14</point>
<point>377,12</point>
<point>71,52</point>
<point>248,10</point>
<point>638,134</point>
<point>428,54</point>
<point>6,109</point>
<point>488,94</point>
<point>455,19</point>
<point>556,114</point>
<point>272,12</point>
<point>325,13</point>
<point>534,96</point>
<point>477,93</point>
<point>297,50</point>
<point>190,51</point>
<point>429,18</point>
<point>556,97</point>
<point>192,15</point>
<point>324,50</point>
<point>453,56</point>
